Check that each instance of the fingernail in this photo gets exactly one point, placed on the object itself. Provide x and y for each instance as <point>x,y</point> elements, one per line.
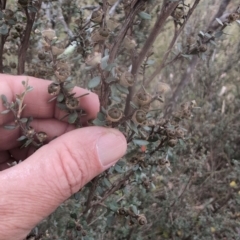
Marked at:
<point>110,147</point>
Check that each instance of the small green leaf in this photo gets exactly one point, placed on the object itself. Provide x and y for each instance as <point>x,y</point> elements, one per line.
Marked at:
<point>60,97</point>
<point>101,116</point>
<point>5,111</point>
<point>73,215</point>
<point>27,143</point>
<point>94,82</point>
<point>97,122</point>
<point>145,16</point>
<point>118,169</point>
<point>122,88</point>
<point>140,142</point>
<point>134,209</point>
<point>68,85</point>
<point>218,34</point>
<point>133,105</point>
<point>104,62</point>
<point>77,196</point>
<point>32,9</point>
<point>4,98</point>
<point>29,88</point>
<point>21,138</point>
<point>4,29</point>
<point>107,183</point>
<point>150,62</point>
<point>9,127</point>
<point>213,42</point>
<point>24,120</point>
<point>116,99</point>
<point>62,106</point>
<point>219,21</point>
<point>72,117</point>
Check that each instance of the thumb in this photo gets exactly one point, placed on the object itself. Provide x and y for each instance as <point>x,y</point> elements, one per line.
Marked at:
<point>33,189</point>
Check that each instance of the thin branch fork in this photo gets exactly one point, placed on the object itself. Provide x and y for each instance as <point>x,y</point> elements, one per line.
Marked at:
<point>25,40</point>
<point>171,45</point>
<point>119,38</point>
<point>166,11</point>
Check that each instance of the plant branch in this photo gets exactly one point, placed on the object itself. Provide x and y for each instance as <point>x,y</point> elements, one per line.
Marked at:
<point>171,45</point>
<point>26,37</point>
<point>166,11</point>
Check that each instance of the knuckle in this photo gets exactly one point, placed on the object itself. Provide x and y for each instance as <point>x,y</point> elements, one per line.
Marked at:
<point>74,168</point>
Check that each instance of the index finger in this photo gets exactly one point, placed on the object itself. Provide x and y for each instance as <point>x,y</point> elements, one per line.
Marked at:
<point>37,105</point>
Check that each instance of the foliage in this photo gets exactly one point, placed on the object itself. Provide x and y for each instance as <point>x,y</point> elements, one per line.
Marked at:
<point>176,105</point>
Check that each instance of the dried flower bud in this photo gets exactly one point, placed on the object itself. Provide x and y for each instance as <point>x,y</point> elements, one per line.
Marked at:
<point>30,132</point>
<point>13,65</point>
<point>112,24</point>
<point>84,233</point>
<point>142,220</point>
<point>72,103</point>
<point>126,79</point>
<point>139,117</point>
<point>163,88</point>
<point>131,222</point>
<point>97,16</point>
<point>143,98</point>
<point>99,35</point>
<point>161,121</point>
<point>41,136</point>
<point>114,114</point>
<point>171,132</point>
<point>78,227</point>
<point>56,51</point>
<point>172,142</point>
<point>178,13</point>
<point>41,55</point>
<point>62,72</point>
<point>19,27</point>
<point>202,48</point>
<point>129,43</point>
<point>150,122</point>
<point>23,3</point>
<point>94,59</point>
<point>54,89</point>
<point>233,17</point>
<point>179,133</point>
<point>8,13</point>
<point>50,34</point>
<point>121,211</point>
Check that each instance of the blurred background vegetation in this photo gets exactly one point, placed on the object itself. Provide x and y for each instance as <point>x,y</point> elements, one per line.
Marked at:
<point>200,197</point>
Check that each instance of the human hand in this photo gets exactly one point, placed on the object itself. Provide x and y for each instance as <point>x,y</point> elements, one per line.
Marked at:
<point>33,189</point>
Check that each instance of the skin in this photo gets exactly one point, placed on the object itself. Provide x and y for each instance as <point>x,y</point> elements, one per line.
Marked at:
<point>33,189</point>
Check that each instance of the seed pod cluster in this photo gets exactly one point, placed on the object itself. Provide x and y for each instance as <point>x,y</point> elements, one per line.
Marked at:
<point>140,218</point>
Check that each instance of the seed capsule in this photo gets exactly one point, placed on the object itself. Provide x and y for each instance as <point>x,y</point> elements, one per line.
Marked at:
<point>143,98</point>
<point>97,16</point>
<point>142,220</point>
<point>72,103</point>
<point>172,142</point>
<point>114,114</point>
<point>54,89</point>
<point>139,117</point>
<point>41,136</point>
<point>126,79</point>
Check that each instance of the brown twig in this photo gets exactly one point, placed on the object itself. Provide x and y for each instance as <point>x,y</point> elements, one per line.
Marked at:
<point>25,39</point>
<point>177,33</point>
<point>166,11</point>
